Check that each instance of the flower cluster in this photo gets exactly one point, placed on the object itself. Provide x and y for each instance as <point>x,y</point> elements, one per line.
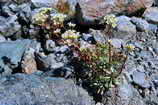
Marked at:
<point>71,25</point>
<point>110,20</point>
<point>58,19</point>
<point>129,47</point>
<point>41,17</point>
<point>70,34</point>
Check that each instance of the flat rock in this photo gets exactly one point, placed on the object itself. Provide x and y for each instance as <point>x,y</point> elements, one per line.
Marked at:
<point>125,26</point>
<point>151,14</point>
<point>21,89</point>
<point>11,53</point>
<point>98,8</point>
<point>140,79</point>
<point>142,25</point>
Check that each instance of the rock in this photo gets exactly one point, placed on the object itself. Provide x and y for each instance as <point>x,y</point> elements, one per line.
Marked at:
<point>93,9</point>
<point>117,43</point>
<point>25,14</point>
<point>155,80</point>
<point>2,38</point>
<point>153,28</point>
<point>141,79</point>
<point>21,89</point>
<point>10,27</point>
<point>61,49</point>
<point>50,45</point>
<point>97,8</point>
<point>156,3</point>
<point>155,46</point>
<point>84,44</point>
<point>151,15</point>
<point>48,62</point>
<point>98,36</point>
<point>141,25</point>
<point>125,26</point>
<point>89,38</point>
<point>14,50</point>
<point>11,53</point>
<point>126,95</point>
<point>41,3</point>
<point>6,12</point>
<point>28,63</point>
<point>64,72</point>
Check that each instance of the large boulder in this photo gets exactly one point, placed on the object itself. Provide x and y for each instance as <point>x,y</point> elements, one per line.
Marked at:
<point>97,8</point>
<point>11,54</point>
<point>92,9</point>
<point>21,89</point>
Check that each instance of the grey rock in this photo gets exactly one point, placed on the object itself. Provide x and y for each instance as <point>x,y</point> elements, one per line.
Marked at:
<point>14,8</point>
<point>151,14</point>
<point>88,37</point>
<point>6,11</point>
<point>61,49</point>
<point>2,38</point>
<point>156,3</point>
<point>14,50</point>
<point>117,43</point>
<point>142,25</point>
<point>155,80</point>
<point>155,46</point>
<point>11,53</point>
<point>84,44</point>
<point>140,79</point>
<point>124,25</point>
<point>10,26</point>
<point>98,36</point>
<point>21,89</point>
<point>48,62</point>
<point>41,3</point>
<point>25,14</point>
<point>153,28</point>
<point>50,45</point>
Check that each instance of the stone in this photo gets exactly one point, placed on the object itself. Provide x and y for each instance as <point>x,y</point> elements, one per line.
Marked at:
<point>6,12</point>
<point>117,43</point>
<point>10,27</point>
<point>98,36</point>
<point>41,3</point>
<point>153,28</point>
<point>155,46</point>
<point>2,38</point>
<point>155,80</point>
<point>21,89</point>
<point>141,25</point>
<point>48,62</point>
<point>124,25</point>
<point>141,79</point>
<point>151,15</point>
<point>61,49</point>
<point>11,53</point>
<point>25,14</point>
<point>89,38</point>
<point>94,9</point>
<point>28,63</point>
<point>50,45</point>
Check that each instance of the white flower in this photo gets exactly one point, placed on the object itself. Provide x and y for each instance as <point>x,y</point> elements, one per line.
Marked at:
<point>58,18</point>
<point>70,34</point>
<point>71,25</point>
<point>57,31</point>
<point>111,20</point>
